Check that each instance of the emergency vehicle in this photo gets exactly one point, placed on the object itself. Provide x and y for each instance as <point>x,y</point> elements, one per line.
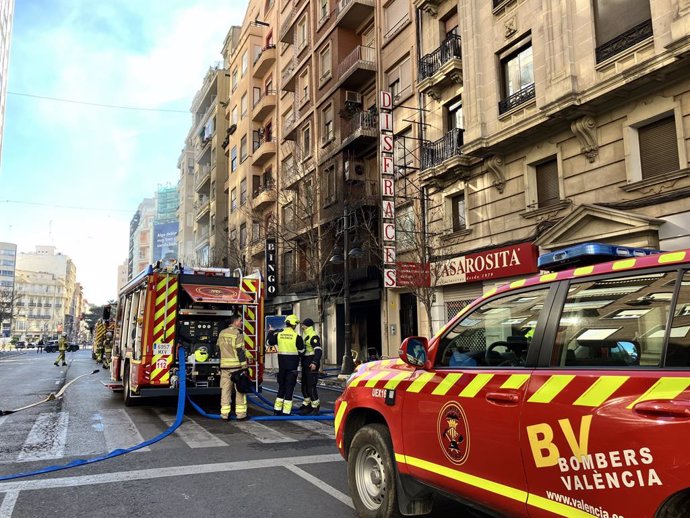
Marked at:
<point>565,394</point>
<point>166,307</point>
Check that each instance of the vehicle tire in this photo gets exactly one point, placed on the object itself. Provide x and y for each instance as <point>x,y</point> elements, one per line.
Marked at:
<point>678,506</point>
<point>127,392</point>
<point>371,473</point>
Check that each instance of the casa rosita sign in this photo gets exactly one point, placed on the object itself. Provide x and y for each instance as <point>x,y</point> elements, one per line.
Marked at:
<point>508,261</point>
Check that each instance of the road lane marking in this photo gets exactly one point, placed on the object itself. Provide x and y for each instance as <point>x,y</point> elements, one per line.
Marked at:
<point>193,434</point>
<point>7,506</point>
<point>176,471</point>
<point>342,497</point>
<point>47,438</point>
<point>119,430</point>
<point>316,426</point>
<point>263,433</point>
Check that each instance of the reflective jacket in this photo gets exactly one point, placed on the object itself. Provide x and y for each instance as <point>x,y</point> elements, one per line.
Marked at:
<point>231,345</point>
<point>290,348</point>
<point>62,344</point>
<point>312,346</point>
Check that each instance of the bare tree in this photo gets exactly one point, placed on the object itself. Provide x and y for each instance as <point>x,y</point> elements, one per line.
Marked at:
<point>8,304</point>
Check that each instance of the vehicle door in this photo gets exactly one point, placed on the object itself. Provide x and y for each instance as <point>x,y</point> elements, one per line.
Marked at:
<point>602,419</point>
<point>461,418</point>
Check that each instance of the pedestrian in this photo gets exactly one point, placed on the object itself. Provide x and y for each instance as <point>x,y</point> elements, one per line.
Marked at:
<point>39,346</point>
<point>290,347</point>
<point>233,358</point>
<point>310,368</point>
<point>62,347</point>
<point>107,349</point>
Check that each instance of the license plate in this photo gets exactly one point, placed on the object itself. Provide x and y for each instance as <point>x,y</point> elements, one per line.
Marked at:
<point>162,348</point>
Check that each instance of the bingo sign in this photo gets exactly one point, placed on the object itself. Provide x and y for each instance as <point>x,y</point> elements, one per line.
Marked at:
<point>387,188</point>
<point>271,283</point>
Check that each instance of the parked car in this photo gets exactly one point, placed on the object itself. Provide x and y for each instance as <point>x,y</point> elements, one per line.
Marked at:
<point>566,394</point>
<point>20,345</point>
<point>51,346</point>
<point>71,347</point>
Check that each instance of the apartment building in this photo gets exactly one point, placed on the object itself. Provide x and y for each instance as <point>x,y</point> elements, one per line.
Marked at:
<point>209,127</point>
<point>141,237</point>
<point>185,207</point>
<point>8,264</point>
<point>572,127</point>
<point>251,141</point>
<point>42,303</point>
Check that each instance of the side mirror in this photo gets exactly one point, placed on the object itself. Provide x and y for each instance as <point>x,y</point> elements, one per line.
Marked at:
<point>413,351</point>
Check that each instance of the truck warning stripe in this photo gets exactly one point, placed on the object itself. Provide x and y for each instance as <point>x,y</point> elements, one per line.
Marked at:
<point>339,417</point>
<point>417,385</point>
<point>551,388</point>
<point>371,382</point>
<point>447,383</point>
<point>474,386</point>
<point>515,381</point>
<point>249,327</point>
<point>600,391</point>
<point>664,388</point>
<point>395,380</point>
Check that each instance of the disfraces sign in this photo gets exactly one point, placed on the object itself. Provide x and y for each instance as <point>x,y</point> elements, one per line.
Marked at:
<point>387,189</point>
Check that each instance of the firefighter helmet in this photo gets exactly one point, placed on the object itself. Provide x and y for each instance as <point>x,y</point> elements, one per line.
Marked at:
<point>201,354</point>
<point>292,320</point>
<point>307,322</point>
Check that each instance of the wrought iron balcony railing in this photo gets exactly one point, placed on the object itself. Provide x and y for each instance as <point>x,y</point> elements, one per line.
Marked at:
<point>623,41</point>
<point>432,62</point>
<point>522,96</point>
<point>448,146</point>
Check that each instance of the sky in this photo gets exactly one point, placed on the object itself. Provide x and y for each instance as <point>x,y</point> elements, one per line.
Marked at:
<point>72,175</point>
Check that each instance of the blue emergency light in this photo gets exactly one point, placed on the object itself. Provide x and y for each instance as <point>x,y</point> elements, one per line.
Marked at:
<point>587,254</point>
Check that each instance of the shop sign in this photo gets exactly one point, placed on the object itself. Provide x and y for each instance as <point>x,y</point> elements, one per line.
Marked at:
<point>413,275</point>
<point>271,277</point>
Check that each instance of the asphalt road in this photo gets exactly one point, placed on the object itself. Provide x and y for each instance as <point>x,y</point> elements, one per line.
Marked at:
<point>205,468</point>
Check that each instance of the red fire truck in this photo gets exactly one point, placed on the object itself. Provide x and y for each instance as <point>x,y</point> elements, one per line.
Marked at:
<point>166,307</point>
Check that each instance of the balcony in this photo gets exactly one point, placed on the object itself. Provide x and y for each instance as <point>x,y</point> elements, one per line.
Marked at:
<point>624,41</point>
<point>290,174</point>
<point>522,96</point>
<point>257,247</point>
<point>290,126</point>
<point>265,196</point>
<point>358,68</point>
<point>288,77</point>
<point>351,13</point>
<point>264,148</point>
<point>203,145</point>
<point>264,61</point>
<point>287,30</point>
<point>361,130</point>
<point>203,175</point>
<point>264,106</point>
<point>442,66</point>
<point>202,207</point>
<point>442,151</point>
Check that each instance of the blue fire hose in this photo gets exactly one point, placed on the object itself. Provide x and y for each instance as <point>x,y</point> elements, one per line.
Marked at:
<point>116,453</point>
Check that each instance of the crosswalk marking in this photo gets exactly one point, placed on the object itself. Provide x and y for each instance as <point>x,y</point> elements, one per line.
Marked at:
<point>119,430</point>
<point>316,426</point>
<point>263,433</point>
<point>193,434</point>
<point>47,438</point>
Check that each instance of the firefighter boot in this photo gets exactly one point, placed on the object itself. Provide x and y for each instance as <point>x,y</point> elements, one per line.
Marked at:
<point>305,409</point>
<point>315,408</point>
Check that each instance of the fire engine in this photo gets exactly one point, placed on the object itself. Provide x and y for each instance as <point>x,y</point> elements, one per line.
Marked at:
<point>169,306</point>
<point>565,394</point>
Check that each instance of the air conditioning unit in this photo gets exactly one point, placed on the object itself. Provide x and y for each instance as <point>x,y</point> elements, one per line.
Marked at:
<point>353,97</point>
<point>354,170</point>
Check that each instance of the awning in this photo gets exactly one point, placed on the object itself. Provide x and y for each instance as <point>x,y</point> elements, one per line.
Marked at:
<point>217,294</point>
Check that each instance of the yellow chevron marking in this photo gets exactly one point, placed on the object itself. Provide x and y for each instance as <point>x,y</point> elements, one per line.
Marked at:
<point>623,265</point>
<point>518,284</point>
<point>673,257</point>
<point>515,381</point>
<point>600,391</point>
<point>551,388</point>
<point>665,389</point>
<point>548,277</point>
<point>443,387</point>
<point>160,298</point>
<point>339,416</point>
<point>474,386</point>
<point>159,313</point>
<point>249,340</point>
<point>161,284</point>
<point>250,313</point>
<point>584,270</point>
<point>376,377</point>
<point>359,378</point>
<point>158,328</point>
<point>417,385</point>
<point>249,326</point>
<point>395,380</point>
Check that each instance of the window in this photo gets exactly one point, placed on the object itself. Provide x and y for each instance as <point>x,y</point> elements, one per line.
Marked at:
<point>256,51</point>
<point>243,191</point>
<point>306,141</point>
<point>494,335</point>
<point>243,235</point>
<point>243,148</point>
<point>243,105</point>
<point>234,79</point>
<point>257,95</point>
<point>328,186</point>
<point>234,115</point>
<point>233,200</point>
<point>301,36</point>
<point>288,216</point>
<point>518,78</point>
<point>658,147</point>
<point>454,117</point>
<point>399,79</point>
<point>233,159</point>
<point>618,322</point>
<point>288,267</point>
<point>245,62</point>
<point>325,62</point>
<point>678,353</point>
<point>404,156</point>
<point>395,15</point>
<point>405,231</point>
<point>268,86</point>
<point>308,195</point>
<point>303,91</point>
<point>256,185</point>
<point>548,193</point>
<point>256,231</point>
<point>328,133</point>
<point>458,212</point>
<point>323,9</point>
<point>619,25</point>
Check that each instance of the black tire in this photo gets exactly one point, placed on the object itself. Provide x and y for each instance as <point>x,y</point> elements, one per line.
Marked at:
<point>371,473</point>
<point>127,392</point>
<point>678,506</point>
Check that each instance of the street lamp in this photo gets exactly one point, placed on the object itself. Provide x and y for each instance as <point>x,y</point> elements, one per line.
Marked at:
<point>343,258</point>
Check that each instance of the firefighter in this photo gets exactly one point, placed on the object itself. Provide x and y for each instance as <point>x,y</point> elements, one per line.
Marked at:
<point>62,347</point>
<point>310,368</point>
<point>290,348</point>
<point>233,357</point>
<point>98,342</point>
<point>107,349</point>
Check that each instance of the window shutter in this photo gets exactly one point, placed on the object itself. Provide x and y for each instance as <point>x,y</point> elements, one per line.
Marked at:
<point>547,184</point>
<point>658,147</point>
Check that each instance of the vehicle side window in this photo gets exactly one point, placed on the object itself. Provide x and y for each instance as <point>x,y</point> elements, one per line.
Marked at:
<point>615,322</point>
<point>678,352</point>
<point>496,334</point>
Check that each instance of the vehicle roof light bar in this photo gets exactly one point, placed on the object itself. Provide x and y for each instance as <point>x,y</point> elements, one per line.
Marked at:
<point>587,254</point>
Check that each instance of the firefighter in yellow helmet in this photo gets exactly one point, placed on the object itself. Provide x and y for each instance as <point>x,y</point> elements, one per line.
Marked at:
<point>233,357</point>
<point>62,348</point>
<point>290,348</point>
<point>107,349</point>
<point>310,368</point>
<point>99,339</point>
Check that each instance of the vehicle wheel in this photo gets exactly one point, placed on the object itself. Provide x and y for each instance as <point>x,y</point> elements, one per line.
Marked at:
<point>127,392</point>
<point>371,473</point>
<point>678,506</point>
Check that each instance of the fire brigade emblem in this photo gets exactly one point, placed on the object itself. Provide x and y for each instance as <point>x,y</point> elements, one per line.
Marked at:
<point>454,433</point>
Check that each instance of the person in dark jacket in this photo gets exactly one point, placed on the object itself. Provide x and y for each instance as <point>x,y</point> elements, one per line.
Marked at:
<point>311,362</point>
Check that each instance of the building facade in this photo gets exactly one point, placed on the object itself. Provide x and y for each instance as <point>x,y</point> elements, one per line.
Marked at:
<point>6,16</point>
<point>165,224</point>
<point>185,206</point>
<point>141,237</point>
<point>8,263</point>
<point>42,303</point>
